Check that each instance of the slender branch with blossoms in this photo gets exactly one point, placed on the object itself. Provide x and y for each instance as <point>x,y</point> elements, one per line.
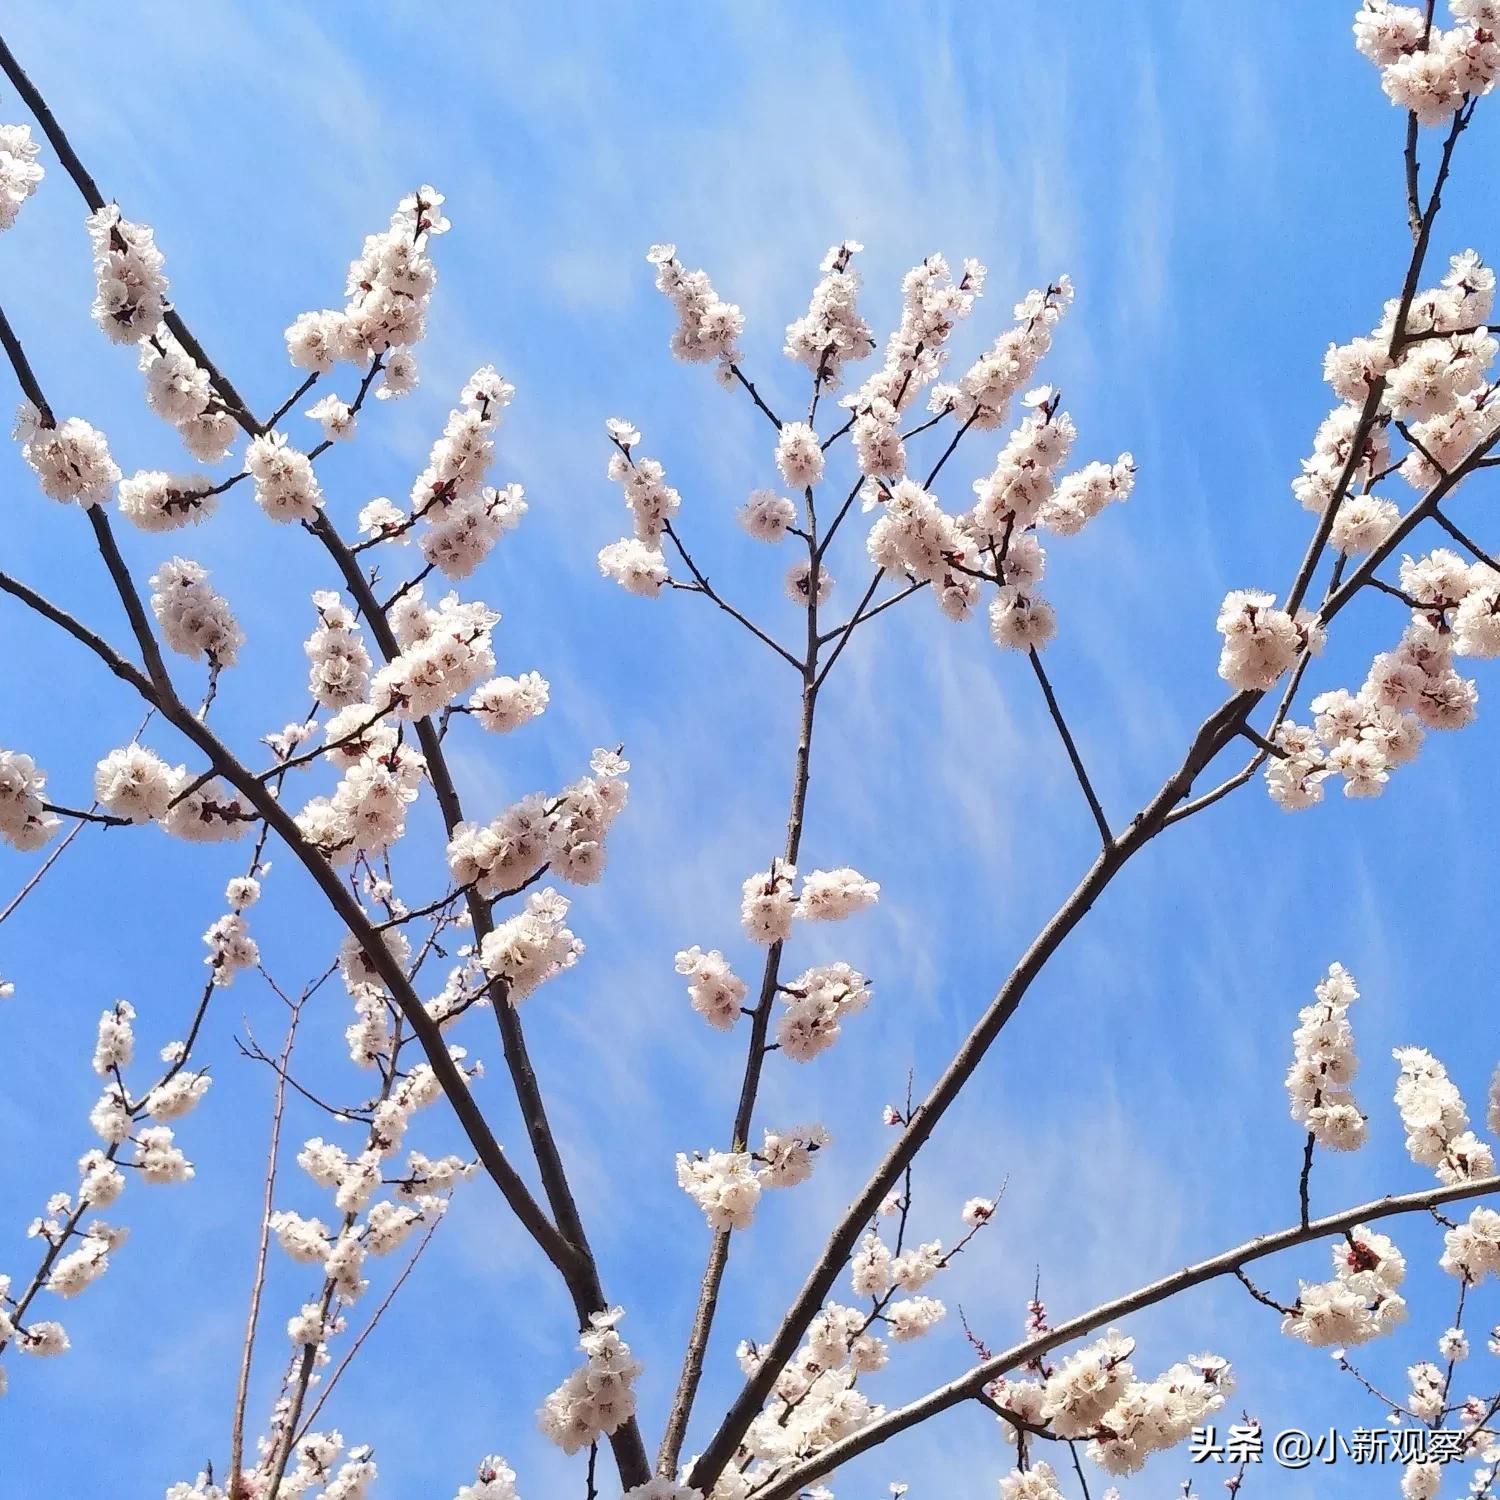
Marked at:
<point>391,679</point>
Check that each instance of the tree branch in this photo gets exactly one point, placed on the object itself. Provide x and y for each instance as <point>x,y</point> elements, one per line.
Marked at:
<point>1213,735</point>
<point>1062,728</point>
<point>258,1279</point>
<point>562,1254</point>
<point>771,416</point>
<point>760,1020</point>
<point>1226,1263</point>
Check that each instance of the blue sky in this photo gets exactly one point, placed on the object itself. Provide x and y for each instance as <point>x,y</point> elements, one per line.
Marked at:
<point>1223,185</point>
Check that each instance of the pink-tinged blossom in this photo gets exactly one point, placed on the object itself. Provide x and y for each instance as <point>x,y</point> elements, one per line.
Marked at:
<point>708,328</point>
<point>20,171</point>
<point>1324,1065</point>
<point>286,488</point>
<point>25,823</point>
<point>71,460</point>
<point>598,1397</point>
<point>130,284</point>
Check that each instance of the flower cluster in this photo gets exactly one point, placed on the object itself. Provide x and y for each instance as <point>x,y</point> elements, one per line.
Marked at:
<point>194,619</point>
<point>180,391</point>
<point>1471,1250</point>
<point>637,568</point>
<point>339,676</point>
<point>831,332</point>
<point>914,536</point>
<point>932,306</point>
<point>566,834</point>
<point>771,903</point>
<point>389,287</point>
<point>382,777</point>
<point>1324,1065</point>
<point>983,393</point>
<point>817,1003</point>
<point>1261,642</point>
<point>286,488</point>
<point>25,823</point>
<point>727,1185</point>
<point>724,1184</point>
<point>1423,68</point>
<point>799,455</point>
<point>130,285</point>
<point>1436,1121</point>
<point>651,501</point>
<point>365,1227</point>
<point>130,305</point>
<point>1423,371</point>
<point>662,1488</point>
<point>496,1480</point>
<point>231,949</point>
<point>799,584</point>
<point>1413,687</point>
<point>767,515</point>
<point>716,991</point>
<point>78,1248</point>
<point>531,947</point>
<point>445,653</point>
<point>465,516</point>
<point>154,500</point>
<point>313,1464</point>
<point>371,1037</point>
<point>636,564</point>
<point>136,784</point>
<point>597,1397</point>
<point>335,416</point>
<point>1021,495</point>
<point>20,171</point>
<point>708,328</point>
<point>505,703</point>
<point>1361,1301</point>
<point>816,1399</point>
<point>1094,1395</point>
<point>70,459</point>
<point>1039,1482</point>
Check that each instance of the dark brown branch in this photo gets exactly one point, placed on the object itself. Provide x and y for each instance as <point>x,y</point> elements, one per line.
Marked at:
<point>1373,399</point>
<point>1090,795</point>
<point>1304,1181</point>
<point>757,1050</point>
<point>582,1277</point>
<point>107,819</point>
<point>22,366</point>
<point>291,400</point>
<point>1264,1298</point>
<point>771,416</point>
<point>1463,539</point>
<point>701,585</point>
<point>948,452</point>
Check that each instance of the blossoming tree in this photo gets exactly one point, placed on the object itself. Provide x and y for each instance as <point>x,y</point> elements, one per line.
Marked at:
<point>395,672</point>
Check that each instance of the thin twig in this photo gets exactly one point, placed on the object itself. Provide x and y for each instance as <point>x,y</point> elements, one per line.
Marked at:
<point>258,1280</point>
<point>1305,1180</point>
<point>1095,806</point>
<point>369,1328</point>
<point>755,396</point>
